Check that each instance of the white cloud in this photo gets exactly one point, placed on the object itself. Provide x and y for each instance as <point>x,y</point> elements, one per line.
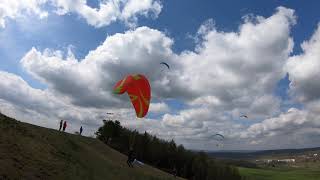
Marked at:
<point>294,128</point>
<point>12,9</point>
<point>140,7</point>
<point>109,11</point>
<point>158,107</point>
<point>304,72</point>
<point>284,123</point>
<point>192,118</point>
<point>234,65</point>
<point>298,127</point>
<point>89,82</point>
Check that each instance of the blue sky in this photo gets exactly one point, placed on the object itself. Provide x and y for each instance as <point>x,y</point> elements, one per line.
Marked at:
<point>227,16</point>
<point>180,22</point>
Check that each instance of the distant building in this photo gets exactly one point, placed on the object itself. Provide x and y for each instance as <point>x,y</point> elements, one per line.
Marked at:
<point>268,161</point>
<point>287,160</point>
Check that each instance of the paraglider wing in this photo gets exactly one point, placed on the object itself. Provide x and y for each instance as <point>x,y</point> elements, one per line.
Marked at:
<point>138,88</point>
<point>122,85</point>
<point>165,64</point>
<point>140,94</point>
<point>245,116</point>
<point>138,162</point>
<point>218,136</point>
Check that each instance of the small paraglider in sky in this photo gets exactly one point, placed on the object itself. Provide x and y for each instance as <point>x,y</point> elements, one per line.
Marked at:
<point>111,115</point>
<point>138,88</point>
<point>164,68</point>
<point>165,64</point>
<point>218,137</point>
<point>244,116</point>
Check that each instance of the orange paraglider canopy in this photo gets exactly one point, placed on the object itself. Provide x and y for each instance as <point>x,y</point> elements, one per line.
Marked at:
<point>138,88</point>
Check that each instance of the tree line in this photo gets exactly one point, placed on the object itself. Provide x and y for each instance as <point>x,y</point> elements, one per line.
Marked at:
<point>165,155</point>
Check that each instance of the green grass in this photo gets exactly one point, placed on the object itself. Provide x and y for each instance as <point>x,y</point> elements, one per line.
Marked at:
<point>280,174</point>
<point>32,152</point>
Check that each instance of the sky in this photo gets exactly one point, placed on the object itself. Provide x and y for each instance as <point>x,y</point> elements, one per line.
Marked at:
<point>61,58</point>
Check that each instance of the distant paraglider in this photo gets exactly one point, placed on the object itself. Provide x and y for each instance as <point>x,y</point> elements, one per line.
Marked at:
<point>166,64</point>
<point>138,88</point>
<point>218,137</point>
<point>111,115</point>
<point>244,116</point>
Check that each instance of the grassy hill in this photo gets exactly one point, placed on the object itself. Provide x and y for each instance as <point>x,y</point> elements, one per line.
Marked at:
<point>32,152</point>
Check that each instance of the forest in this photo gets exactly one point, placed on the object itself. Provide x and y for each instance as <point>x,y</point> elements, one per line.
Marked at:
<point>165,155</point>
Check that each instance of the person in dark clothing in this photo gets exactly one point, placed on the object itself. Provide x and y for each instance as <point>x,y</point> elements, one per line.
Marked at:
<point>60,125</point>
<point>81,130</point>
<point>64,126</point>
<point>130,157</point>
<point>174,172</point>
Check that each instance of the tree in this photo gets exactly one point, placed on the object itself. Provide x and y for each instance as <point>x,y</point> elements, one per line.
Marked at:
<point>165,155</point>
<point>109,130</point>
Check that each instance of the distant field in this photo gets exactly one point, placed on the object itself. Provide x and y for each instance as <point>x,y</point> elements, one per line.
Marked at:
<point>280,174</point>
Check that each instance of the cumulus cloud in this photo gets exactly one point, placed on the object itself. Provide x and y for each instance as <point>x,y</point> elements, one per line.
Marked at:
<point>159,107</point>
<point>109,11</point>
<point>237,69</point>
<point>233,65</point>
<point>12,9</point>
<point>298,125</point>
<point>89,82</point>
<point>303,70</point>
<point>283,124</point>
<point>299,128</point>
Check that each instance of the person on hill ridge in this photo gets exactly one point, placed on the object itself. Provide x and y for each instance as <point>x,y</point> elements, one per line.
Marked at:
<point>64,126</point>
<point>81,130</point>
<point>60,125</point>
<point>130,157</point>
<point>174,172</point>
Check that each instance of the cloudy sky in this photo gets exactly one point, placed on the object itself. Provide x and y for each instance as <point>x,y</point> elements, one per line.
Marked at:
<point>61,58</point>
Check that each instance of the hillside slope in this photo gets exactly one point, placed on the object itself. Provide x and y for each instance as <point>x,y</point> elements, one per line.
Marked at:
<point>32,152</point>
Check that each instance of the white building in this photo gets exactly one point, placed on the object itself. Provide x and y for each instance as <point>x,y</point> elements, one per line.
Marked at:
<point>287,160</point>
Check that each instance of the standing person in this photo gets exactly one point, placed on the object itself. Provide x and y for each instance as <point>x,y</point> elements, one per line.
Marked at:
<point>174,172</point>
<point>81,130</point>
<point>60,125</point>
<point>130,157</point>
<point>64,125</point>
